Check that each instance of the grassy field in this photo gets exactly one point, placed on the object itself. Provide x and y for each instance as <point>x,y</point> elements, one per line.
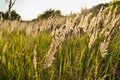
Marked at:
<point>84,47</point>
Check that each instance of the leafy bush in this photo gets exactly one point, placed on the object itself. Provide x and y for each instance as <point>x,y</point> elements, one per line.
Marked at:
<point>14,15</point>
<point>94,9</point>
<point>50,13</point>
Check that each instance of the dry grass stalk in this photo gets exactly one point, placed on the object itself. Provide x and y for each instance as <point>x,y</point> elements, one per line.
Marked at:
<point>51,52</point>
<point>34,58</point>
<point>50,56</point>
<point>60,27</point>
<point>5,47</point>
<point>105,43</point>
<point>55,43</point>
<point>4,51</point>
<point>1,35</point>
<point>94,28</point>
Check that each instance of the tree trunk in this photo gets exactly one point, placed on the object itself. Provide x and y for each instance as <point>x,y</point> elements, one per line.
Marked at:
<point>9,10</point>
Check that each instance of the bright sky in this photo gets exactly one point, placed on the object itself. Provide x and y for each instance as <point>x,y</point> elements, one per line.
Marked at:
<point>29,9</point>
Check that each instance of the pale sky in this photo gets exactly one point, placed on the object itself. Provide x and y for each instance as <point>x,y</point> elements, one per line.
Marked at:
<point>29,9</point>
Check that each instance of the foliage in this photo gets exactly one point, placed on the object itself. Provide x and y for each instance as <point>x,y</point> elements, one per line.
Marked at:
<point>50,13</point>
<point>14,15</point>
<point>94,9</point>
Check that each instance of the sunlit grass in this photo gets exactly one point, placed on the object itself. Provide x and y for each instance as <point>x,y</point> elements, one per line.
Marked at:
<point>73,59</point>
<point>17,55</point>
<point>61,48</point>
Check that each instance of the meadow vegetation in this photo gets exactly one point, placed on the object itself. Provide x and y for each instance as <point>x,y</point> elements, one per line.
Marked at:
<point>82,46</point>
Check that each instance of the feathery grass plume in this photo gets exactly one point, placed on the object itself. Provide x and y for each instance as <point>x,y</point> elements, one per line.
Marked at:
<point>105,43</point>
<point>5,47</point>
<point>35,30</point>
<point>34,59</point>
<point>22,26</point>
<point>35,33</point>
<point>85,22</point>
<point>51,52</point>
<point>92,39</point>
<point>4,51</point>
<point>1,35</point>
<point>95,28</point>
<point>55,43</point>
<point>91,26</point>
<point>108,16</point>
<point>14,25</point>
<point>75,23</point>
<point>50,56</point>
<point>108,19</point>
<point>28,30</point>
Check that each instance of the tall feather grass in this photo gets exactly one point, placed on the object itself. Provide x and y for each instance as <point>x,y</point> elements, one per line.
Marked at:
<point>64,48</point>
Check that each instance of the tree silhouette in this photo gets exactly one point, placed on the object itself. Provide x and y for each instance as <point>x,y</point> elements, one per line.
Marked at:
<point>14,15</point>
<point>10,7</point>
<point>50,13</point>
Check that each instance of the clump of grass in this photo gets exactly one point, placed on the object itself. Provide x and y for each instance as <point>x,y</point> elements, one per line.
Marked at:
<point>20,57</point>
<point>67,48</point>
